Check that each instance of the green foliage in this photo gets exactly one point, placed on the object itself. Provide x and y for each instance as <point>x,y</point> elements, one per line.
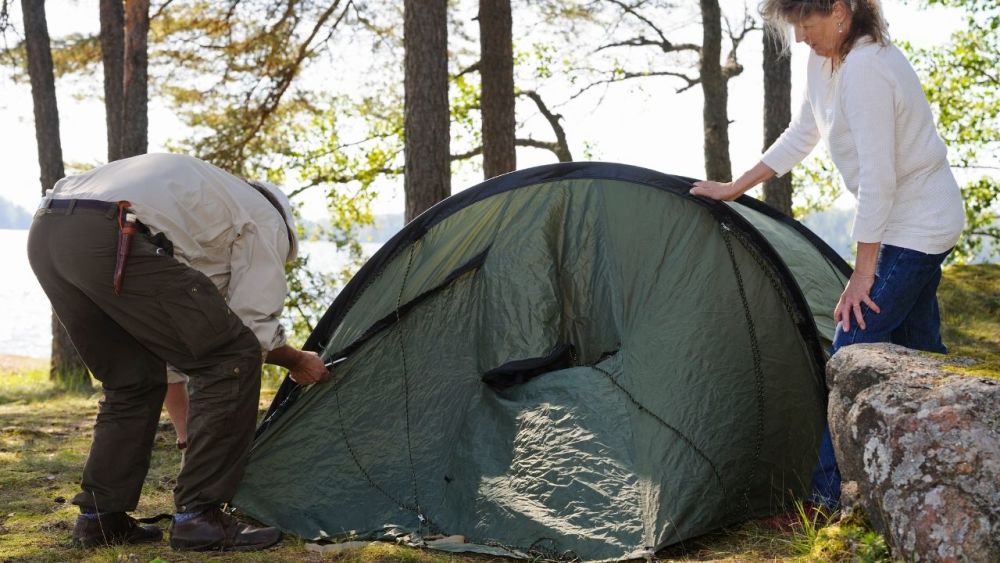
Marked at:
<point>982,226</point>
<point>75,54</point>
<point>833,537</point>
<point>962,83</point>
<point>815,186</point>
<point>248,79</point>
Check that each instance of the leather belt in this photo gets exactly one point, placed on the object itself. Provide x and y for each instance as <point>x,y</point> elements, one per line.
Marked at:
<point>69,205</point>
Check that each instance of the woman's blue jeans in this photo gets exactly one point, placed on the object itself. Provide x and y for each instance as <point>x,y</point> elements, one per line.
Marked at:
<point>905,290</point>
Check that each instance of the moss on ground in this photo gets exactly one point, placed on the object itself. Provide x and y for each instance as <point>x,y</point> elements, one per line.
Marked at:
<point>970,316</point>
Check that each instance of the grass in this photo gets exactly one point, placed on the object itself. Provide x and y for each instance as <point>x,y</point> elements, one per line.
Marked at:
<point>835,537</point>
<point>970,316</point>
<point>44,438</point>
<point>45,435</point>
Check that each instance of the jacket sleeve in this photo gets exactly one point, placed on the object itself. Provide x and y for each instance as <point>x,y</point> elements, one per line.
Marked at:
<point>795,143</point>
<point>869,106</point>
<point>257,287</point>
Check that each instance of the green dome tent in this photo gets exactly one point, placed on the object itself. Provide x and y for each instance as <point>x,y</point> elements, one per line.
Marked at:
<point>571,361</point>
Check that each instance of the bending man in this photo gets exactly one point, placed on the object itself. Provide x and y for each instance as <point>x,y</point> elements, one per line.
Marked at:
<point>162,259</point>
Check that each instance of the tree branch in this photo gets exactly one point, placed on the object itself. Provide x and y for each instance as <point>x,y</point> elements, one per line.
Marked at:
<point>469,69</point>
<point>547,145</point>
<point>630,10</point>
<point>343,179</point>
<point>562,147</point>
<point>160,10</point>
<point>467,154</point>
<point>284,80</point>
<point>984,234</point>
<point>623,76</point>
<point>662,43</point>
<point>733,67</point>
<point>642,41</point>
<point>550,146</point>
<point>5,22</point>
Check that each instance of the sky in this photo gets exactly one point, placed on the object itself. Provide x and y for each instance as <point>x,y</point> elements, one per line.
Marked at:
<point>652,127</point>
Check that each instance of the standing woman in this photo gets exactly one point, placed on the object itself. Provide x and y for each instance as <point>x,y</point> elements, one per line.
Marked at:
<point>864,100</point>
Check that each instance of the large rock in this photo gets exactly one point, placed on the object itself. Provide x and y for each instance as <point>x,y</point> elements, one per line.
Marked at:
<point>920,448</point>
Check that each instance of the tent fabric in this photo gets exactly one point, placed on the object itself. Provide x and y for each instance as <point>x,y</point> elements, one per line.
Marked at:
<point>571,361</point>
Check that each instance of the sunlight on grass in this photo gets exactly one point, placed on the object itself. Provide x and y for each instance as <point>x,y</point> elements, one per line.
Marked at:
<point>970,316</point>
<point>24,379</point>
<point>747,542</point>
<point>835,537</point>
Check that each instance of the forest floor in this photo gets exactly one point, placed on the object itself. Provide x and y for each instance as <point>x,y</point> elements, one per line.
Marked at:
<point>45,434</point>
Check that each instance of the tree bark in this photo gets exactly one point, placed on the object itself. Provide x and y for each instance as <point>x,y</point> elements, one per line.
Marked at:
<point>66,367</point>
<point>497,72</point>
<point>113,58</point>
<point>135,121</point>
<point>713,86</point>
<point>777,116</point>
<point>427,178</point>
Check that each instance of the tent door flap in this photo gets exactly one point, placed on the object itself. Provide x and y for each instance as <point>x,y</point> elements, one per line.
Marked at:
<point>517,372</point>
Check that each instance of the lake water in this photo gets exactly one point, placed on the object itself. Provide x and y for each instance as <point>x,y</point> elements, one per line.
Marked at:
<point>25,328</point>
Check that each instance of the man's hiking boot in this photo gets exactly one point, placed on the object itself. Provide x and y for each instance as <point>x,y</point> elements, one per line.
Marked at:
<point>112,528</point>
<point>214,530</point>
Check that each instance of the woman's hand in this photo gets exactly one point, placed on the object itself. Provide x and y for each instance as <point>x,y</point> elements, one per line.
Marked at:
<point>850,301</point>
<point>728,191</point>
<point>719,191</point>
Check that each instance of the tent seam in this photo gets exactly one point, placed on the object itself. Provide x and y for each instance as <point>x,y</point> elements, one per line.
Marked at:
<point>757,369</point>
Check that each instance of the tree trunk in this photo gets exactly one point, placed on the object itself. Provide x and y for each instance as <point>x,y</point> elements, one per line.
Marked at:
<point>497,71</point>
<point>427,119</point>
<point>113,57</point>
<point>135,121</point>
<point>713,86</point>
<point>777,116</point>
<point>66,367</point>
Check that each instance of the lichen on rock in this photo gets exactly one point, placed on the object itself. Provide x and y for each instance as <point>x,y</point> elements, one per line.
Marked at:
<point>919,449</point>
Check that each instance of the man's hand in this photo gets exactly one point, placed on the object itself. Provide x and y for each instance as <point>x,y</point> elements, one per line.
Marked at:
<point>850,302</point>
<point>719,191</point>
<point>305,368</point>
<point>309,369</point>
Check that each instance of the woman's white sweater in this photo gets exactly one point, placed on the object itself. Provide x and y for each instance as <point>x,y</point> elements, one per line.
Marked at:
<point>879,129</point>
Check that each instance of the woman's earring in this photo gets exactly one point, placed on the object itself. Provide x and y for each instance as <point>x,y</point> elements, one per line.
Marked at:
<point>840,27</point>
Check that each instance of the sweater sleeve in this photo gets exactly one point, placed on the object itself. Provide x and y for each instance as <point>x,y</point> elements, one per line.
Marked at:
<point>869,106</point>
<point>797,141</point>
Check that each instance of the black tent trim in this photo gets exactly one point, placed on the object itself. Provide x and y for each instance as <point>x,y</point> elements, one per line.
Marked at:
<point>472,265</point>
<point>679,185</point>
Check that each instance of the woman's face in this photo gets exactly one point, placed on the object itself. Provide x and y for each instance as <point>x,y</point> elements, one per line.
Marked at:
<point>823,33</point>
